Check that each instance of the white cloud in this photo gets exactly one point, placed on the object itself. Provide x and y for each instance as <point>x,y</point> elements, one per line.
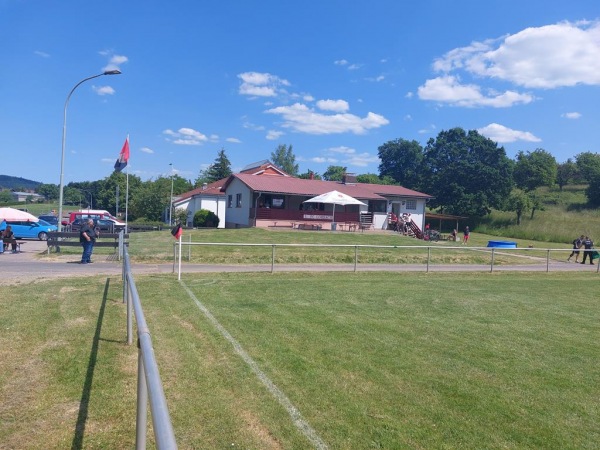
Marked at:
<point>257,84</point>
<point>340,62</point>
<point>233,140</point>
<point>300,118</point>
<point>41,54</point>
<point>448,89</point>
<point>342,149</point>
<point>147,150</point>
<point>273,135</point>
<point>547,57</point>
<point>103,90</point>
<point>501,134</point>
<point>186,136</point>
<point>333,105</point>
<point>571,115</point>
<point>362,160</point>
<point>354,66</point>
<point>114,61</point>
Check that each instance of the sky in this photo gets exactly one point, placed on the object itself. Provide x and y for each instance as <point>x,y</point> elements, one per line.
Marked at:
<point>335,79</point>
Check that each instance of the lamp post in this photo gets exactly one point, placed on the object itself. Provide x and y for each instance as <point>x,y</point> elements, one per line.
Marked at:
<point>171,198</point>
<point>64,139</point>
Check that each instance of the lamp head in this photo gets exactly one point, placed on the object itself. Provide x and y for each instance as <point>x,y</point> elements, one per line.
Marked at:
<point>112,72</point>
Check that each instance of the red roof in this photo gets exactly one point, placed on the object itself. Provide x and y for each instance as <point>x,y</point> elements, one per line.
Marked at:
<point>210,189</point>
<point>299,186</point>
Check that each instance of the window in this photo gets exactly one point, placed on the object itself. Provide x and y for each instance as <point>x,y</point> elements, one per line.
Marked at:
<point>230,201</point>
<point>411,204</point>
<point>238,200</point>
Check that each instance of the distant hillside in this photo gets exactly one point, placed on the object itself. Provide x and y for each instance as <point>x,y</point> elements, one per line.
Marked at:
<point>17,183</point>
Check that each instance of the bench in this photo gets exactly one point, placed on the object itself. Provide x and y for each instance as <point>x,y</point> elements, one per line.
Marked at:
<point>308,226</point>
<point>59,239</point>
<point>7,246</point>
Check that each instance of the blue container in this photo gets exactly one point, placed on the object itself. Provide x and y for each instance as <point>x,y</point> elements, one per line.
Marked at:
<point>502,244</point>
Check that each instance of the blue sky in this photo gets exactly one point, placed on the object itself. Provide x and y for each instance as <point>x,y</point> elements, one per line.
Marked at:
<point>335,79</point>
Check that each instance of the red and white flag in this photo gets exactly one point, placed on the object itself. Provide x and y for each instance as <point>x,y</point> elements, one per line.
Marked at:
<point>123,157</point>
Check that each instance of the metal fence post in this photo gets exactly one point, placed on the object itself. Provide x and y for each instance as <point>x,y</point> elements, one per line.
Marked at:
<point>355,257</point>
<point>548,260</point>
<point>142,405</point>
<point>492,263</point>
<point>272,258</point>
<point>428,257</point>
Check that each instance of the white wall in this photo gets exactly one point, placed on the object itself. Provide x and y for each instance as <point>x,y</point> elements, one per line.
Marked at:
<point>238,217</point>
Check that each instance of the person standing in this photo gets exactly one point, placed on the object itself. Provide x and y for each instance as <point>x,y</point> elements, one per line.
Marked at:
<point>588,244</point>
<point>577,243</point>
<point>466,235</point>
<point>87,237</point>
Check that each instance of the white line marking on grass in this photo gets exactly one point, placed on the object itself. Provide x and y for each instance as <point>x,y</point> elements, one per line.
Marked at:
<point>297,418</point>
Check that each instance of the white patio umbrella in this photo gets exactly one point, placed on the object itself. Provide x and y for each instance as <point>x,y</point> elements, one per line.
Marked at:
<point>12,214</point>
<point>334,198</point>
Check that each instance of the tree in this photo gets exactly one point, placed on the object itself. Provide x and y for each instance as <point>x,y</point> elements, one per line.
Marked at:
<point>593,192</point>
<point>5,196</point>
<point>49,191</point>
<point>151,201</point>
<point>565,173</point>
<point>372,178</point>
<point>310,175</point>
<point>518,201</point>
<point>534,169</point>
<point>467,173</point>
<point>588,164</point>
<point>220,169</point>
<point>334,173</point>
<point>402,160</point>
<point>284,158</point>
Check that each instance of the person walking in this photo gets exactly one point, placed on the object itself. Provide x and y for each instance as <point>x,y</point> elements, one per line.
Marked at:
<point>577,243</point>
<point>466,234</point>
<point>87,236</point>
<point>588,244</point>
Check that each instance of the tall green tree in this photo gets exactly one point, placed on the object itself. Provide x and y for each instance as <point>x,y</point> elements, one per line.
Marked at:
<point>220,169</point>
<point>334,173</point>
<point>151,201</point>
<point>49,191</point>
<point>284,158</point>
<point>588,165</point>
<point>467,173</point>
<point>566,173</point>
<point>403,161</point>
<point>534,169</point>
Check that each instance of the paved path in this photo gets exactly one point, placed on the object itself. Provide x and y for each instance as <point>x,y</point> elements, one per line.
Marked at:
<point>27,266</point>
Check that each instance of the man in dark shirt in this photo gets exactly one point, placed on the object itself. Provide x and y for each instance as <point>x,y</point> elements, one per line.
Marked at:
<point>588,244</point>
<point>87,237</point>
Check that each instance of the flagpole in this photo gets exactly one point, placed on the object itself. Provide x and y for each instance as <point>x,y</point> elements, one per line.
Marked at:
<point>127,194</point>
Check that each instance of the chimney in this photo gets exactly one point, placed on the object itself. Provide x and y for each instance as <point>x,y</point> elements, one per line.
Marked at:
<point>349,178</point>
<point>204,186</point>
<point>311,175</point>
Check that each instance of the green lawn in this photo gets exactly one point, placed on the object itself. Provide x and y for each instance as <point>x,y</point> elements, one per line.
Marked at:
<point>370,360</point>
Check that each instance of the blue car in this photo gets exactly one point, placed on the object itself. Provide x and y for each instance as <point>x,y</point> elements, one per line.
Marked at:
<point>29,230</point>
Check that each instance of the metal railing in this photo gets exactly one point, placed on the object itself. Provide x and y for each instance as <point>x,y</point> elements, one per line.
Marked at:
<point>492,251</point>
<point>149,383</point>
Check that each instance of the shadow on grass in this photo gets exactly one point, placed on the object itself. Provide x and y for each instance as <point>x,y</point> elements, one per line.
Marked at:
<point>87,386</point>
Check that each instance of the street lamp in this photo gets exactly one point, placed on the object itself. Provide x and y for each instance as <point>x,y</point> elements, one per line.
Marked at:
<point>171,198</point>
<point>64,139</point>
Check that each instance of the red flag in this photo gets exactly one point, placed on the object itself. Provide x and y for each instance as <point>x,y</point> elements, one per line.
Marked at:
<point>123,156</point>
<point>177,231</point>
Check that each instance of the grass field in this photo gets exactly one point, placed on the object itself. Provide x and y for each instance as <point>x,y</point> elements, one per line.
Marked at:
<point>372,360</point>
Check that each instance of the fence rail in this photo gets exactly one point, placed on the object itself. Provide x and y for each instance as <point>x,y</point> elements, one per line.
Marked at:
<point>492,251</point>
<point>149,382</point>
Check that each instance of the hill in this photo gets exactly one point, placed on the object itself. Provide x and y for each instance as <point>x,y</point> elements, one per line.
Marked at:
<point>17,183</point>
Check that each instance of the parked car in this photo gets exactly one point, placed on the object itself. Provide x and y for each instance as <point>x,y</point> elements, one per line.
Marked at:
<point>106,225</point>
<point>24,229</point>
<point>51,219</point>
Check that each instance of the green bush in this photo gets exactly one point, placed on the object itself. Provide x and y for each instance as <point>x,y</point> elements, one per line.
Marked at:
<point>206,219</point>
